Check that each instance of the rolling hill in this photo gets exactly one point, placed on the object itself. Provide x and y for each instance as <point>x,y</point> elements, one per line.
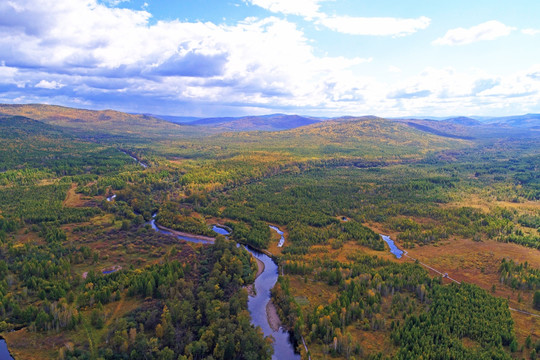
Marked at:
<point>28,143</point>
<point>522,121</point>
<point>469,129</point>
<point>91,122</point>
<point>366,137</point>
<point>462,120</point>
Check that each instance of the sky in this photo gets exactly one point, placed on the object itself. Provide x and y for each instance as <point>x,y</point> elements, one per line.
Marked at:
<point>251,57</point>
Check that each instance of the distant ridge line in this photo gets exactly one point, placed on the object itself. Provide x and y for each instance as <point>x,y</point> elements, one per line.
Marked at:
<point>437,132</point>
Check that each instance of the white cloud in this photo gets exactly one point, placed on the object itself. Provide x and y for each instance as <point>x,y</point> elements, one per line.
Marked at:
<point>381,26</point>
<point>115,2</point>
<point>489,30</point>
<point>447,91</point>
<point>257,61</point>
<point>45,84</point>
<point>310,9</point>
<point>306,8</point>
<point>10,76</point>
<point>7,73</point>
<point>87,53</point>
<point>394,69</point>
<point>530,31</point>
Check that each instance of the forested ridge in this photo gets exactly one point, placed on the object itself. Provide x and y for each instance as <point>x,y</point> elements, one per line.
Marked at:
<point>78,269</point>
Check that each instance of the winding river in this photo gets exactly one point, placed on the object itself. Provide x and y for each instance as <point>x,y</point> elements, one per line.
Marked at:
<point>134,158</point>
<point>283,347</point>
<point>186,237</point>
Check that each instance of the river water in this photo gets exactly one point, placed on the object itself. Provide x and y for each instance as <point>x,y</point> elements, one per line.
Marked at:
<point>4,353</point>
<point>219,230</point>
<point>182,237</point>
<point>137,160</point>
<point>282,240</point>
<point>283,347</point>
<point>393,248</point>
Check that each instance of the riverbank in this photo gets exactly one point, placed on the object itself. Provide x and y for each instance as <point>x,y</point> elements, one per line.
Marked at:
<point>184,234</point>
<point>260,268</point>
<point>273,317</point>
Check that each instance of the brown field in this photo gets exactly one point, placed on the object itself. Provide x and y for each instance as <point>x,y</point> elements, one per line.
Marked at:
<point>26,345</point>
<point>464,260</point>
<point>479,202</point>
<point>478,263</point>
<point>73,199</point>
<point>312,293</point>
<point>348,248</point>
<point>24,236</point>
<point>309,295</point>
<point>373,342</point>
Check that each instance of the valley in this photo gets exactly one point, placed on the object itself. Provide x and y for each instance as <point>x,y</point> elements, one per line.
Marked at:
<point>459,196</point>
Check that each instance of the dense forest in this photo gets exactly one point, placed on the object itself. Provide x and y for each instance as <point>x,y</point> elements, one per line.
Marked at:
<point>83,275</point>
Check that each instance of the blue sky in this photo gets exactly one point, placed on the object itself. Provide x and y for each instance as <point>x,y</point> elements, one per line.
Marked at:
<point>238,57</point>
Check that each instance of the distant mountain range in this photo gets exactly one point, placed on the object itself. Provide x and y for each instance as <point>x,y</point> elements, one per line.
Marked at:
<point>467,128</point>
<point>277,122</point>
<point>524,121</point>
<point>119,123</point>
<point>273,122</point>
<point>518,121</point>
<point>175,119</point>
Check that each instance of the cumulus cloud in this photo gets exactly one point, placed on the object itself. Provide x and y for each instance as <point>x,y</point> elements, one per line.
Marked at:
<point>489,30</point>
<point>86,53</point>
<point>380,26</point>
<point>409,94</point>
<point>95,49</point>
<point>192,64</point>
<point>45,84</point>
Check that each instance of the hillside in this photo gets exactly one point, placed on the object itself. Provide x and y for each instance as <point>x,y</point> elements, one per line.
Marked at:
<point>523,121</point>
<point>367,137</point>
<point>462,120</point>
<point>274,122</point>
<point>28,143</point>
<point>106,122</point>
<point>469,129</point>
